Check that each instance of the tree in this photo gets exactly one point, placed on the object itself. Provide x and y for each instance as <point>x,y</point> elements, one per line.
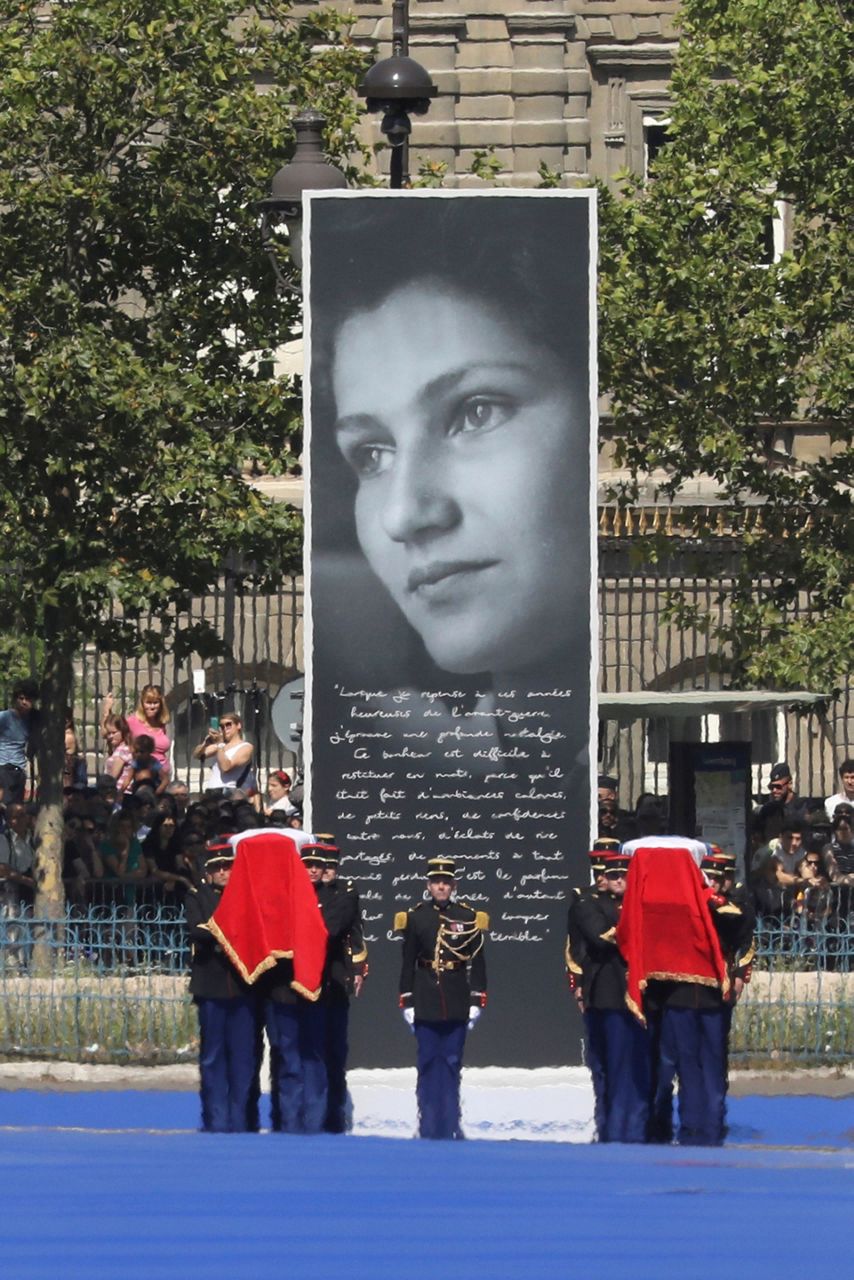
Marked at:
<point>138,316</point>
<point>710,358</point>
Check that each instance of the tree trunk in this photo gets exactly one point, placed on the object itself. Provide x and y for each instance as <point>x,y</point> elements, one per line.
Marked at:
<point>56,696</point>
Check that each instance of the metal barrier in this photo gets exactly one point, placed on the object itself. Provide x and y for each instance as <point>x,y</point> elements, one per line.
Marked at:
<point>108,983</point>
<point>103,984</point>
<point>799,1004</point>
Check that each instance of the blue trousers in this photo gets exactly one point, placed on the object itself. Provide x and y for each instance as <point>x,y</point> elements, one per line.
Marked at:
<point>694,1042</point>
<point>337,1024</point>
<point>440,1065</point>
<point>297,1034</point>
<point>229,1063</point>
<point>625,1059</point>
<point>595,1054</point>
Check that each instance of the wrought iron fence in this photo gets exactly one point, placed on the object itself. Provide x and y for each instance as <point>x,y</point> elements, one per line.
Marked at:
<point>108,983</point>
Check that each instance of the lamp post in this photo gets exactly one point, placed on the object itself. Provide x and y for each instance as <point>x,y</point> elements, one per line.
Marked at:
<point>399,87</point>
<point>308,170</point>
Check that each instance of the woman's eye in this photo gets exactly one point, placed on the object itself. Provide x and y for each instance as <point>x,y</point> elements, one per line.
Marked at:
<point>368,460</point>
<point>480,413</point>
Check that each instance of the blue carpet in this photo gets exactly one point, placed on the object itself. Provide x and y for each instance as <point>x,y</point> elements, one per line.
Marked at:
<point>141,1205</point>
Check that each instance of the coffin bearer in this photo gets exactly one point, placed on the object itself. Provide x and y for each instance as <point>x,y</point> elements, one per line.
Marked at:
<point>575,956</point>
<point>442,993</point>
<point>229,1050</point>
<point>617,1043</point>
<point>347,968</point>
<point>735,920</point>
<point>678,981</point>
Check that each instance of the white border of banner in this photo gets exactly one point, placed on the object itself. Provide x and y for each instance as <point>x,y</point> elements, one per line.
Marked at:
<point>432,193</point>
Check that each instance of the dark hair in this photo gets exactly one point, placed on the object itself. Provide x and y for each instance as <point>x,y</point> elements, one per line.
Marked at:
<point>29,688</point>
<point>144,742</point>
<point>847,766</point>
<point>839,818</point>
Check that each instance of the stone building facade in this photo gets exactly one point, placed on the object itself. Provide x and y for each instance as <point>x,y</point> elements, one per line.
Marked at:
<point>578,86</point>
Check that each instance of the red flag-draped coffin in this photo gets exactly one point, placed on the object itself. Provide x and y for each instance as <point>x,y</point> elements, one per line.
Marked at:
<point>666,929</point>
<point>269,911</point>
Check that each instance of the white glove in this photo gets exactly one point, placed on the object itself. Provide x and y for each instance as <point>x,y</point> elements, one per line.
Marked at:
<point>474,1013</point>
<point>409,1019</point>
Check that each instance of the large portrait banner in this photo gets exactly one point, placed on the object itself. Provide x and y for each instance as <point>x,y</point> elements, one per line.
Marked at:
<point>451,580</point>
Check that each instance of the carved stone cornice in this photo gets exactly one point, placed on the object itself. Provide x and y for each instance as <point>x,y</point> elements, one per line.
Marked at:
<point>630,55</point>
<point>534,23</point>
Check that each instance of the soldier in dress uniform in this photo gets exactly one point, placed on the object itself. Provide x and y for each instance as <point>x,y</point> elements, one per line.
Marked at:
<point>735,919</point>
<point>312,1017</point>
<point>229,1030</point>
<point>442,993</point>
<point>616,1043</point>
<point>574,956</point>
<point>347,968</point>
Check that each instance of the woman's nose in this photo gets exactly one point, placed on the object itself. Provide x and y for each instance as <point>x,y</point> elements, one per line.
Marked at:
<point>419,502</point>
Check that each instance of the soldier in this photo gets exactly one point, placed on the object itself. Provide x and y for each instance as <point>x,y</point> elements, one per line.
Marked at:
<point>735,920</point>
<point>575,955</point>
<point>442,993</point>
<point>347,968</point>
<point>678,981</point>
<point>616,1042</point>
<point>229,1031</point>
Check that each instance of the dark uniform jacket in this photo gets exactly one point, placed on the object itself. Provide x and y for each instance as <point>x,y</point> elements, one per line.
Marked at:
<point>212,975</point>
<point>339,906</point>
<point>592,924</point>
<point>443,971</point>
<point>355,959</point>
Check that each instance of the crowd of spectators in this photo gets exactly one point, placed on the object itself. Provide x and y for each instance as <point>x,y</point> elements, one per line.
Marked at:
<point>800,864</point>
<point>133,834</point>
<point>802,852</point>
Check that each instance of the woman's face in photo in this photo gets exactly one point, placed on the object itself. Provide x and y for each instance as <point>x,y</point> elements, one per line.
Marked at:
<point>460,431</point>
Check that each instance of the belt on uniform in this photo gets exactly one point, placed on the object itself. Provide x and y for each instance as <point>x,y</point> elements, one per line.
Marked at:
<point>443,965</point>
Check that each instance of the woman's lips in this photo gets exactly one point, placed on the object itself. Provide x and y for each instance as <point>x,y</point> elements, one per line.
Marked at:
<point>439,575</point>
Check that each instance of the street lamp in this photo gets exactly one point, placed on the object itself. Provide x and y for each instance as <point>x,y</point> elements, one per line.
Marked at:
<point>308,170</point>
<point>399,87</point>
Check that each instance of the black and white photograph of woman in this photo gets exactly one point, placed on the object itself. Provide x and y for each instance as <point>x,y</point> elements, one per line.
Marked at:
<point>450,530</point>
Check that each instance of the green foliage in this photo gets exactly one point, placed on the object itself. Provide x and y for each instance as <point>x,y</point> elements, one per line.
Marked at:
<point>710,358</point>
<point>137,313</point>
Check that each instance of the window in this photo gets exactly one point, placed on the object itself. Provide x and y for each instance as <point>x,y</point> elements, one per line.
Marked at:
<point>655,138</point>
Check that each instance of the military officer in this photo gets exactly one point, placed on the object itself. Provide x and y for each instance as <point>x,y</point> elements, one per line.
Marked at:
<point>616,1042</point>
<point>575,955</point>
<point>442,993</point>
<point>229,1029</point>
<point>347,968</point>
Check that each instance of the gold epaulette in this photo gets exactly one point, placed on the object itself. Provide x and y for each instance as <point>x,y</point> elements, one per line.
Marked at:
<point>481,919</point>
<point>729,910</point>
<point>610,935</point>
<point>400,919</point>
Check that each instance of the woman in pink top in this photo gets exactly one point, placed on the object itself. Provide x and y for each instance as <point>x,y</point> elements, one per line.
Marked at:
<point>151,717</point>
<point>119,764</point>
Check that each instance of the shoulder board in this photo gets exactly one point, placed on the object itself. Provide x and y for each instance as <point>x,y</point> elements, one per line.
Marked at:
<point>400,919</point>
<point>481,919</point>
<point>351,888</point>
